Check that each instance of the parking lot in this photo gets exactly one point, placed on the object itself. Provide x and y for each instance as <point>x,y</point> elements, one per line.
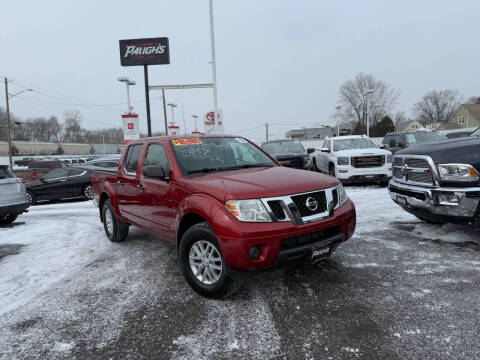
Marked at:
<point>398,289</point>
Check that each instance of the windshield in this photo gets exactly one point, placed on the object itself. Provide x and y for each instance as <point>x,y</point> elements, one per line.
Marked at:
<point>476,132</point>
<point>421,137</point>
<point>349,144</point>
<point>283,147</point>
<point>198,155</point>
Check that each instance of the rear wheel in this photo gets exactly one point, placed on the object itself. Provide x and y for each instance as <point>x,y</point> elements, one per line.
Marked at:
<point>202,262</point>
<point>115,230</point>
<point>87,192</point>
<point>8,219</point>
<point>331,170</point>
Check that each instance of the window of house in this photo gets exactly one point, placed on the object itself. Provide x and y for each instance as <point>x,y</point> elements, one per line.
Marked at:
<point>461,120</point>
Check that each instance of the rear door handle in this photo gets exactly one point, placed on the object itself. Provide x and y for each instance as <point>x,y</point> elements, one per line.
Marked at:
<point>119,182</point>
<point>140,187</point>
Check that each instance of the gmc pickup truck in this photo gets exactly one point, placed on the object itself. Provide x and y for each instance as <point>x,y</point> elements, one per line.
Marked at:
<point>225,203</point>
<point>439,182</point>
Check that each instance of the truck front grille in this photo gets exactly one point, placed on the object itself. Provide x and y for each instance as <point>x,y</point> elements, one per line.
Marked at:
<point>368,161</point>
<point>413,170</point>
<point>301,203</point>
<point>276,208</point>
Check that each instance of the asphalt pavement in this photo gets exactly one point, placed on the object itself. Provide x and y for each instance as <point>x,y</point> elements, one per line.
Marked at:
<point>394,291</point>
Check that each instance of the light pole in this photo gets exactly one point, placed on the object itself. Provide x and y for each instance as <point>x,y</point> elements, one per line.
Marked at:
<point>214,65</point>
<point>195,117</point>
<point>127,82</point>
<point>365,95</point>
<point>337,108</point>
<point>172,105</point>
<point>9,123</point>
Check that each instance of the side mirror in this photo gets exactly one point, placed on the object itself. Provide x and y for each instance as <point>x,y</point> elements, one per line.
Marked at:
<point>325,150</point>
<point>42,179</point>
<point>310,150</point>
<point>155,172</point>
<point>382,146</point>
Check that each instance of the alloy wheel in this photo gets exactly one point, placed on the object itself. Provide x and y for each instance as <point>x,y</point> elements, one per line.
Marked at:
<point>205,262</point>
<point>109,221</point>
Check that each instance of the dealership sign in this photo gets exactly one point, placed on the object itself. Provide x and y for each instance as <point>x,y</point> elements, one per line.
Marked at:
<point>131,131</point>
<point>150,51</point>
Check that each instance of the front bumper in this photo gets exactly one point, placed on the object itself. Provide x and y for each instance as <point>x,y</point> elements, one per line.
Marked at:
<point>14,209</point>
<point>424,202</point>
<point>350,174</point>
<point>237,238</point>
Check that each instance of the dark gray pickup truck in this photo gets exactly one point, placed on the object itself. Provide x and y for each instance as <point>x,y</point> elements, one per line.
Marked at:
<point>439,182</point>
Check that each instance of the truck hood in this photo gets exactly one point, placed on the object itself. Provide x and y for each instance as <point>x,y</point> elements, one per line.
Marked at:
<point>462,150</point>
<point>259,182</point>
<point>362,152</point>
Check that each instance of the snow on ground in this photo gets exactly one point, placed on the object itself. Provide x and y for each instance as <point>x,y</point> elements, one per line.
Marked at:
<point>66,290</point>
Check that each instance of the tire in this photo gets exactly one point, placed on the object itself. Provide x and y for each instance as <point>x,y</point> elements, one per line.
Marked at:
<point>196,264</point>
<point>31,198</point>
<point>429,221</point>
<point>87,192</point>
<point>8,219</point>
<point>331,170</point>
<point>115,230</point>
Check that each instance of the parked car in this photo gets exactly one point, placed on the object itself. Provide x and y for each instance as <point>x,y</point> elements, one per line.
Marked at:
<point>63,183</point>
<point>398,140</point>
<point>106,164</point>
<point>353,159</point>
<point>23,162</point>
<point>225,203</point>
<point>289,153</point>
<point>13,198</point>
<point>439,182</point>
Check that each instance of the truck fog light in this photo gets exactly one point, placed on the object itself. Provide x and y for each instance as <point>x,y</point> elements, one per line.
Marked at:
<point>447,198</point>
<point>254,252</point>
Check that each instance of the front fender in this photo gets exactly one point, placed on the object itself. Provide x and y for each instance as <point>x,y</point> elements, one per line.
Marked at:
<point>201,204</point>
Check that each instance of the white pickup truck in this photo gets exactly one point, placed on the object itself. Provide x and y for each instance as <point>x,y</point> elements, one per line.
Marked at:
<point>353,159</point>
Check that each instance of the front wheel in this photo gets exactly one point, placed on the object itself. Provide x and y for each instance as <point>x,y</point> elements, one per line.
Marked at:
<point>31,198</point>
<point>202,262</point>
<point>7,219</point>
<point>115,230</point>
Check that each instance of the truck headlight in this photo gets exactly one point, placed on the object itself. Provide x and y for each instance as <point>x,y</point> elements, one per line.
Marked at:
<point>248,210</point>
<point>306,160</point>
<point>342,195</point>
<point>343,160</point>
<point>389,158</point>
<point>457,172</point>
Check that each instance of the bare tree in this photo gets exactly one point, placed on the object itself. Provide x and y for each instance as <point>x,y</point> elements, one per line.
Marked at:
<point>353,103</point>
<point>473,100</point>
<point>436,106</point>
<point>73,129</point>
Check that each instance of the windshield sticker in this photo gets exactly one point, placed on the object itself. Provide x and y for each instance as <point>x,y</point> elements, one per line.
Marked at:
<point>240,140</point>
<point>186,141</point>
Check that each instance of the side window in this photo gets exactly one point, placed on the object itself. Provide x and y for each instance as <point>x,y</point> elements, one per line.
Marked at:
<point>132,158</point>
<point>156,155</point>
<point>386,140</point>
<point>75,172</point>
<point>60,173</point>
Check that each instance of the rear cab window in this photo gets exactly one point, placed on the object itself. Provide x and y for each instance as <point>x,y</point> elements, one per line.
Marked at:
<point>131,161</point>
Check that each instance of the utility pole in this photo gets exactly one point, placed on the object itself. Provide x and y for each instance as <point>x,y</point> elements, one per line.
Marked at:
<point>266,131</point>
<point>195,117</point>
<point>147,100</point>
<point>9,126</point>
<point>214,65</point>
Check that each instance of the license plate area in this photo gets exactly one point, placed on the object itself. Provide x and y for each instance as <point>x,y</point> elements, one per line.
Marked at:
<point>320,252</point>
<point>402,200</point>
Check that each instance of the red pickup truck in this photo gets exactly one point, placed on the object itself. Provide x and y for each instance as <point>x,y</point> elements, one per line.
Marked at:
<point>225,203</point>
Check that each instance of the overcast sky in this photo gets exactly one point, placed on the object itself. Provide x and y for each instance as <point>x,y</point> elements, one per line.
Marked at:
<point>278,61</point>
